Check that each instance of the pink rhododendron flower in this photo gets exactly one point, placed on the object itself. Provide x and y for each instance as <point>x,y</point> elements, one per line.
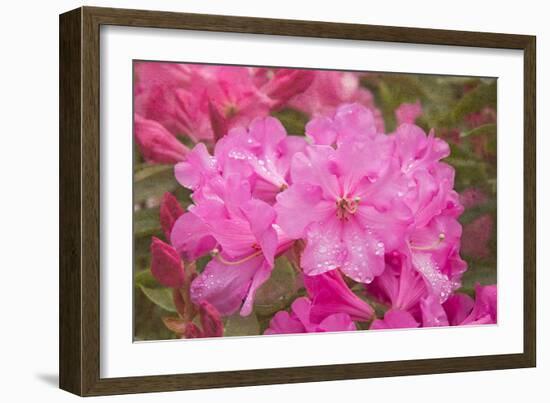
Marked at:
<point>408,113</point>
<point>370,195</point>
<point>329,294</point>
<point>156,144</point>
<point>262,154</point>
<point>300,321</point>
<point>242,228</point>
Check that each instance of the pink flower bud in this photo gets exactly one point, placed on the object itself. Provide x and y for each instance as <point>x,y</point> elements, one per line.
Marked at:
<point>211,320</point>
<point>170,211</point>
<point>288,82</point>
<point>166,264</point>
<point>157,144</point>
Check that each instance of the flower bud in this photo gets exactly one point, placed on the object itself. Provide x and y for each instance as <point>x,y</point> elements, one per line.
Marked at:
<point>166,264</point>
<point>219,123</point>
<point>288,82</point>
<point>170,211</point>
<point>157,144</point>
<point>211,320</point>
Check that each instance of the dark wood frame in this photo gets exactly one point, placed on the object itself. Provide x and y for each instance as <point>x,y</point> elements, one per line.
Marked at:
<point>79,200</point>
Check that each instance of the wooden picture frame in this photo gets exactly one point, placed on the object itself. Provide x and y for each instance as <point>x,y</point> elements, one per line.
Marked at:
<point>80,199</point>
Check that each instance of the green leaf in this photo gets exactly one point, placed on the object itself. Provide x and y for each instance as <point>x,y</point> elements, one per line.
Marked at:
<point>155,292</point>
<point>160,296</point>
<point>484,275</point>
<point>146,222</point>
<point>145,278</point>
<point>277,292</point>
<point>477,211</point>
<point>485,94</point>
<point>293,121</point>
<point>237,325</point>
<point>153,181</point>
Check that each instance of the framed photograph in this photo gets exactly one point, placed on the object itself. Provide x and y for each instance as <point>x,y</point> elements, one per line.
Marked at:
<point>249,201</point>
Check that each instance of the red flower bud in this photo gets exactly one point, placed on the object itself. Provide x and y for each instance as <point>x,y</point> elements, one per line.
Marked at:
<point>157,144</point>
<point>170,210</point>
<point>219,123</point>
<point>166,264</point>
<point>211,321</point>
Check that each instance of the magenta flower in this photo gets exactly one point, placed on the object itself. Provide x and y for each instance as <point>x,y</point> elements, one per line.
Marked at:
<point>300,321</point>
<point>248,244</point>
<point>344,201</point>
<point>156,144</point>
<point>262,154</point>
<point>329,295</point>
<point>242,228</point>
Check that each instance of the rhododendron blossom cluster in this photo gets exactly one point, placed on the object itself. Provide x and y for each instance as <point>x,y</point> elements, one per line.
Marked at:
<point>367,220</point>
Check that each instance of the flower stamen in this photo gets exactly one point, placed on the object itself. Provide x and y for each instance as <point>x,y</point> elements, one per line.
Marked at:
<point>347,207</point>
<point>434,245</point>
<point>240,261</point>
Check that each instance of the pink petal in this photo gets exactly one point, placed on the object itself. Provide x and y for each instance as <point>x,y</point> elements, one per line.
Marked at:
<point>458,307</point>
<point>364,259</point>
<point>191,237</point>
<point>339,322</point>
<point>284,323</point>
<point>197,169</point>
<point>299,206</point>
<point>395,319</point>
<point>324,250</point>
<point>433,314</point>
<point>225,287</point>
<point>330,294</point>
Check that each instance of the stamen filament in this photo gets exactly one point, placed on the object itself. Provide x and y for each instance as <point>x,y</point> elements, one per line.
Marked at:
<point>434,245</point>
<point>240,261</point>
